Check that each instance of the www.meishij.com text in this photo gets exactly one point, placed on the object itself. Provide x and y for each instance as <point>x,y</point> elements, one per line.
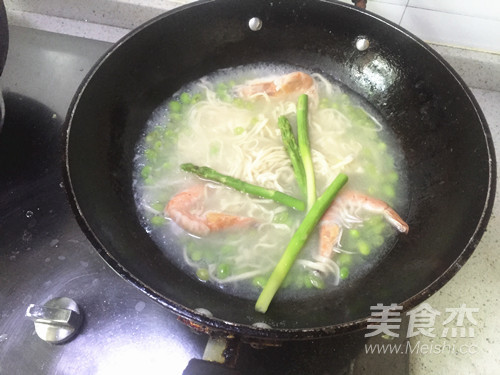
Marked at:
<point>418,348</point>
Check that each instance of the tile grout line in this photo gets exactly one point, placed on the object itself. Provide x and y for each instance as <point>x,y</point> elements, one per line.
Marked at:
<point>449,12</point>
<point>404,11</point>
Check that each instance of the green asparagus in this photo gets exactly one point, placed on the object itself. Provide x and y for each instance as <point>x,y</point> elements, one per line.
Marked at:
<point>245,187</point>
<point>297,242</point>
<point>305,148</point>
<point>293,152</point>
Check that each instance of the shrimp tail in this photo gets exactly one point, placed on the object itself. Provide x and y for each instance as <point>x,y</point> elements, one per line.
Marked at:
<point>395,220</point>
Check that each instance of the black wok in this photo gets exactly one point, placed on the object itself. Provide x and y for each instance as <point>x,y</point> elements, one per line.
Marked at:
<point>4,46</point>
<point>442,132</point>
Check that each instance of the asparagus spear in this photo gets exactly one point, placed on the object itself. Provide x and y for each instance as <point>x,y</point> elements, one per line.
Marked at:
<point>305,149</point>
<point>245,187</point>
<point>293,152</point>
<point>297,242</point>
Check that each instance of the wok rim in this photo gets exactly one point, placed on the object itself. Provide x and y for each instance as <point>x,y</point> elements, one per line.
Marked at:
<point>252,333</point>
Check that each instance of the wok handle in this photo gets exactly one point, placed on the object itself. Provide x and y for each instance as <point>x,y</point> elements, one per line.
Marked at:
<point>219,358</point>
<point>202,367</point>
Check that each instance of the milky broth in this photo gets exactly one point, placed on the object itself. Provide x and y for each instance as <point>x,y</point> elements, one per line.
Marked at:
<point>206,123</point>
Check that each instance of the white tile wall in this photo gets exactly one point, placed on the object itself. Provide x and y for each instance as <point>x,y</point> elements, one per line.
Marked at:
<point>453,29</point>
<point>488,9</point>
<point>393,12</point>
<point>471,24</point>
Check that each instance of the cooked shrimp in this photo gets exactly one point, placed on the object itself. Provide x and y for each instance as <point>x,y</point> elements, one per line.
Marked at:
<point>186,210</point>
<point>344,212</point>
<point>296,82</point>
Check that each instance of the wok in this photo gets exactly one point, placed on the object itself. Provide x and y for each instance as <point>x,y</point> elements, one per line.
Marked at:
<point>446,143</point>
<point>4,46</point>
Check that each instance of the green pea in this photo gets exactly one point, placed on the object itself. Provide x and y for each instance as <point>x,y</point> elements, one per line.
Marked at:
<point>158,145</point>
<point>185,98</point>
<point>157,206</point>
<point>253,121</point>
<point>259,281</point>
<point>196,98</point>
<point>389,191</point>
<point>151,155</point>
<point>239,130</point>
<point>146,171</point>
<point>354,233</point>
<point>202,274</point>
<point>392,177</point>
<point>175,106</point>
<point>344,259</point>
<point>223,271</point>
<point>196,255</point>
<point>176,117</point>
<point>221,91</point>
<point>363,247</point>
<point>344,273</point>
<point>223,96</point>
<point>170,133</point>
<point>382,146</point>
<point>221,87</point>
<point>317,281</point>
<point>240,103</point>
<point>157,220</point>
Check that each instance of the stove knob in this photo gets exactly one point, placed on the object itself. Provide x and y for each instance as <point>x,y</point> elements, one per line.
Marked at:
<point>56,322</point>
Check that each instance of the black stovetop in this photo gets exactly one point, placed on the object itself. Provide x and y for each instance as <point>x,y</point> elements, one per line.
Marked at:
<point>44,254</point>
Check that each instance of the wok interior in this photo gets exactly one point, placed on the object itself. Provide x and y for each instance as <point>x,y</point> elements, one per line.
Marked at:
<point>436,122</point>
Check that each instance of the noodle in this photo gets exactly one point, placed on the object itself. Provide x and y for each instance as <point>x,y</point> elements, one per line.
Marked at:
<point>240,138</point>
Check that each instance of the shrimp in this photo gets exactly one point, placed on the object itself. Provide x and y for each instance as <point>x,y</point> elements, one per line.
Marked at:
<point>344,213</point>
<point>186,210</point>
<point>296,82</point>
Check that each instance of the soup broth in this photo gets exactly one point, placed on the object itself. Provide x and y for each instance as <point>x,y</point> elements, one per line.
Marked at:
<point>211,123</point>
